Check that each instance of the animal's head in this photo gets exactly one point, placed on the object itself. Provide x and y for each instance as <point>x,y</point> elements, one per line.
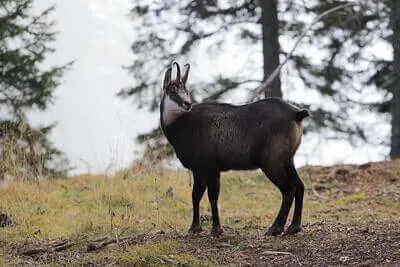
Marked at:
<point>176,96</point>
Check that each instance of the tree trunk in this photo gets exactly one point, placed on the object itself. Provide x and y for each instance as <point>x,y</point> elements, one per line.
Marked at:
<point>270,25</point>
<point>395,105</point>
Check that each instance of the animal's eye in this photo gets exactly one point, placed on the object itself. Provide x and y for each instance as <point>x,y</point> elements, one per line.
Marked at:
<point>172,88</point>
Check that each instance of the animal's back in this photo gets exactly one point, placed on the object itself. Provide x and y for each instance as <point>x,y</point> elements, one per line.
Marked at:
<point>227,137</point>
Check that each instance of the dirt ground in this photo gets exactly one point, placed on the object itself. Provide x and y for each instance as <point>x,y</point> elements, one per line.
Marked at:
<point>359,224</point>
<point>318,244</point>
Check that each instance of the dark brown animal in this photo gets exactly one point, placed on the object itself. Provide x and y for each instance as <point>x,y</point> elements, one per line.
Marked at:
<point>212,137</point>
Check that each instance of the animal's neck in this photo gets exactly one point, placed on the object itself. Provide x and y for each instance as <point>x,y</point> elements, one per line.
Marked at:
<point>169,111</point>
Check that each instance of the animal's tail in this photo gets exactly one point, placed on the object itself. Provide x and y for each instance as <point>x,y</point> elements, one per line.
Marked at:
<point>302,114</point>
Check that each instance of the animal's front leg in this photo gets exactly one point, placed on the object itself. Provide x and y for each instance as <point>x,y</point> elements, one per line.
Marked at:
<point>213,186</point>
<point>199,186</point>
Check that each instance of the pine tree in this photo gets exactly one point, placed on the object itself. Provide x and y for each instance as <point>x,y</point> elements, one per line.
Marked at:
<point>336,61</point>
<point>352,74</point>
<point>25,85</point>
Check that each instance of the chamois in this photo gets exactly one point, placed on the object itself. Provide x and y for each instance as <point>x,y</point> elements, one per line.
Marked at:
<point>212,137</point>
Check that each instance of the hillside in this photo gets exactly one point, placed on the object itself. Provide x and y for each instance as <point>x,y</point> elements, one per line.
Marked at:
<point>351,216</point>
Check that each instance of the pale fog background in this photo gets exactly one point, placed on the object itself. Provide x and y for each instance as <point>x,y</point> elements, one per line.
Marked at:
<point>97,130</point>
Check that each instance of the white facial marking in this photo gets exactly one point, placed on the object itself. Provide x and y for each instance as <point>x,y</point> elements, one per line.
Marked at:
<point>171,111</point>
<point>185,96</point>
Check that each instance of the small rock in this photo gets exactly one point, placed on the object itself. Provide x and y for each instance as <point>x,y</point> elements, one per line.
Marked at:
<point>364,166</point>
<point>344,259</point>
<point>236,220</point>
<point>342,172</point>
<point>205,218</point>
<point>169,193</point>
<point>320,187</point>
<point>5,219</point>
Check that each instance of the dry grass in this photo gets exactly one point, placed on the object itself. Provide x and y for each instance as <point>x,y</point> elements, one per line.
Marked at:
<point>87,207</point>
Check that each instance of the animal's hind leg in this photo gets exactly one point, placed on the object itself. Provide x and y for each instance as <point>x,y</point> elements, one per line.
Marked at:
<point>213,187</point>
<point>295,226</point>
<point>199,187</point>
<point>279,177</point>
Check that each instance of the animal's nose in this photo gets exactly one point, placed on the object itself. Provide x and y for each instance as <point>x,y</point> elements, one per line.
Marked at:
<point>187,104</point>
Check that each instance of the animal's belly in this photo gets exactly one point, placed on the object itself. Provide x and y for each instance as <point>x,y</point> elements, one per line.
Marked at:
<point>237,160</point>
<point>222,157</point>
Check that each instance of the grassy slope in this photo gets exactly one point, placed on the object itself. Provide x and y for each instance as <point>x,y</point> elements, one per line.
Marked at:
<point>88,207</point>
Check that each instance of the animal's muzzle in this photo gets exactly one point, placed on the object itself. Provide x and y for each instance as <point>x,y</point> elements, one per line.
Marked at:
<point>187,105</point>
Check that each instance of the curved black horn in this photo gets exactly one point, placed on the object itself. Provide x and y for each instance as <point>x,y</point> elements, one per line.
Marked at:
<point>167,77</point>
<point>178,71</point>
<point>185,75</point>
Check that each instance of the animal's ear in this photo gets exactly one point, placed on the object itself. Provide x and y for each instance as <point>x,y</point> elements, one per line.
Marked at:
<point>178,71</point>
<point>185,75</point>
<point>167,77</point>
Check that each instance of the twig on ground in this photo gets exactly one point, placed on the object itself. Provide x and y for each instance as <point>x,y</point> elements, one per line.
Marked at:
<point>273,252</point>
<point>129,240</point>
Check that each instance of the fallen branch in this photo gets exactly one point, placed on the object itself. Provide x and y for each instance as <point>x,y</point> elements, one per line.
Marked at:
<point>129,240</point>
<point>33,251</point>
<point>272,252</point>
<point>58,245</point>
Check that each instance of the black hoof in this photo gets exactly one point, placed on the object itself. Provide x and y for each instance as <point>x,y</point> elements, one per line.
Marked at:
<point>293,229</point>
<point>274,231</point>
<point>217,231</point>
<point>194,229</point>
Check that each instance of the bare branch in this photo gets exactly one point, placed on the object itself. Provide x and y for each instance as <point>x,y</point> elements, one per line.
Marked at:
<point>264,87</point>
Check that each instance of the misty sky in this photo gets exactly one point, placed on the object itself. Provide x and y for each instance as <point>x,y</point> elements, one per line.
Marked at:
<point>96,129</point>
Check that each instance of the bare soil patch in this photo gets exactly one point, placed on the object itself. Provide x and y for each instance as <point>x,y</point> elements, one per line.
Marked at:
<point>322,243</point>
